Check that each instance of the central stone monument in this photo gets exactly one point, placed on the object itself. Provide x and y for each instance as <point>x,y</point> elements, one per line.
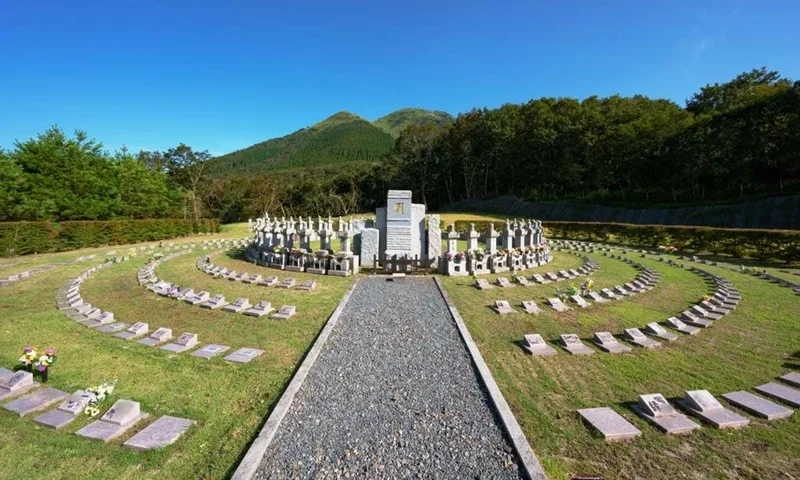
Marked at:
<point>402,226</point>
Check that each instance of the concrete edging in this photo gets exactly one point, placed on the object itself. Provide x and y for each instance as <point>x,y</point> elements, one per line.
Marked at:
<point>530,464</point>
<point>252,459</point>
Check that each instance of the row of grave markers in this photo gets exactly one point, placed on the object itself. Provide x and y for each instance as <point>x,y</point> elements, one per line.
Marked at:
<point>24,274</point>
<point>69,301</point>
<point>725,294</point>
<point>205,265</point>
<point>701,404</point>
<point>121,417</point>
<point>203,299</point>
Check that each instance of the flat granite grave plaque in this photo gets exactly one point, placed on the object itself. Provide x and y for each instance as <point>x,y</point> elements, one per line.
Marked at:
<point>210,351</point>
<point>482,284</point>
<point>123,415</point>
<point>197,298</point>
<point>557,305</point>
<point>66,412</point>
<point>621,291</point>
<point>159,434</point>
<point>217,301</point>
<point>522,281</point>
<point>682,327</point>
<point>269,281</point>
<point>608,343</point>
<point>259,310</point>
<point>577,299</point>
<point>186,341</point>
<point>657,410</point>
<point>244,355</point>
<point>308,286</point>
<point>792,378</point>
<point>136,330</point>
<point>536,346</point>
<point>758,406</point>
<point>15,384</point>
<point>504,283</point>
<point>112,327</point>
<point>239,305</point>
<point>780,392</point>
<point>285,312</point>
<point>636,337</point>
<point>553,277</point>
<point>609,423</point>
<point>103,319</point>
<point>287,283</point>
<point>657,330</point>
<point>697,310</point>
<point>37,400</point>
<point>538,278</point>
<point>503,307</point>
<point>597,298</point>
<point>704,406</point>
<point>694,320</point>
<point>573,345</point>
<point>159,336</point>
<point>530,307</point>
<point>609,294</point>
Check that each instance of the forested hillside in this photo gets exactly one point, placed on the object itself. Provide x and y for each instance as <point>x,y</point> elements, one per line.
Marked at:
<point>341,138</point>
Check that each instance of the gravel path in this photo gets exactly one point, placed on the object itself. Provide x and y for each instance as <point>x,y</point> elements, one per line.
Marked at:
<point>393,394</point>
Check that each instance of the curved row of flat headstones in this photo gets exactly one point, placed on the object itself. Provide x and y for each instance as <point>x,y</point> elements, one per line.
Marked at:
<point>205,265</point>
<point>645,281</point>
<point>656,409</point>
<point>118,419</point>
<point>700,403</point>
<point>25,274</point>
<point>70,301</point>
<point>723,300</point>
<point>148,279</point>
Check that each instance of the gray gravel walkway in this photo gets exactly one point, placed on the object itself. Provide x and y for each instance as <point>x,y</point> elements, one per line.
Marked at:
<point>392,395</point>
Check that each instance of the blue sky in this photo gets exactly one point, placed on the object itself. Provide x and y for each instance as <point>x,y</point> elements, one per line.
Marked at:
<point>224,75</point>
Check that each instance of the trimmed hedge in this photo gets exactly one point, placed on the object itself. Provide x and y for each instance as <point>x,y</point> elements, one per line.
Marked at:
<point>743,243</point>
<point>22,238</point>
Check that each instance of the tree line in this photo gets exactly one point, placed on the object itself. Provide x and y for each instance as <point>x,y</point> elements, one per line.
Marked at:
<point>729,141</point>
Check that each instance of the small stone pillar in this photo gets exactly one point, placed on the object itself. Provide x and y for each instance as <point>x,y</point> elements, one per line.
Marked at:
<point>452,239</point>
<point>472,238</point>
<point>507,236</point>
<point>491,238</point>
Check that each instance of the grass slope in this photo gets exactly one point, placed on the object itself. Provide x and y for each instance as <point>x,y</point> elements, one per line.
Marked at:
<point>751,346</point>
<point>341,138</point>
<point>397,121</point>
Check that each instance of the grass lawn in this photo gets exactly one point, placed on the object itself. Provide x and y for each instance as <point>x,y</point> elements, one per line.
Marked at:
<point>751,346</point>
<point>229,401</point>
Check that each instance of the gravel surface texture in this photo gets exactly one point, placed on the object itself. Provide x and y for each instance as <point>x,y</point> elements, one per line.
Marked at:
<point>393,394</point>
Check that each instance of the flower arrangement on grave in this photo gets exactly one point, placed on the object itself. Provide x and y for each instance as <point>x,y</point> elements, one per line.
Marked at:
<point>706,298</point>
<point>298,252</point>
<point>478,254</point>
<point>458,257</point>
<point>572,289</point>
<point>743,269</point>
<point>100,393</point>
<point>28,357</point>
<point>500,253</point>
<point>586,288</point>
<point>42,365</point>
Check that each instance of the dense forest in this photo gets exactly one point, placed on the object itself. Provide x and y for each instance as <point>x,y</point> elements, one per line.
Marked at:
<point>732,140</point>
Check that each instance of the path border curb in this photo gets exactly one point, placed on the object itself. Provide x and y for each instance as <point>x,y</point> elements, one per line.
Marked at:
<point>252,459</point>
<point>530,464</point>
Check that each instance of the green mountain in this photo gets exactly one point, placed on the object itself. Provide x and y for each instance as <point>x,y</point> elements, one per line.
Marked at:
<point>395,122</point>
<point>341,138</point>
